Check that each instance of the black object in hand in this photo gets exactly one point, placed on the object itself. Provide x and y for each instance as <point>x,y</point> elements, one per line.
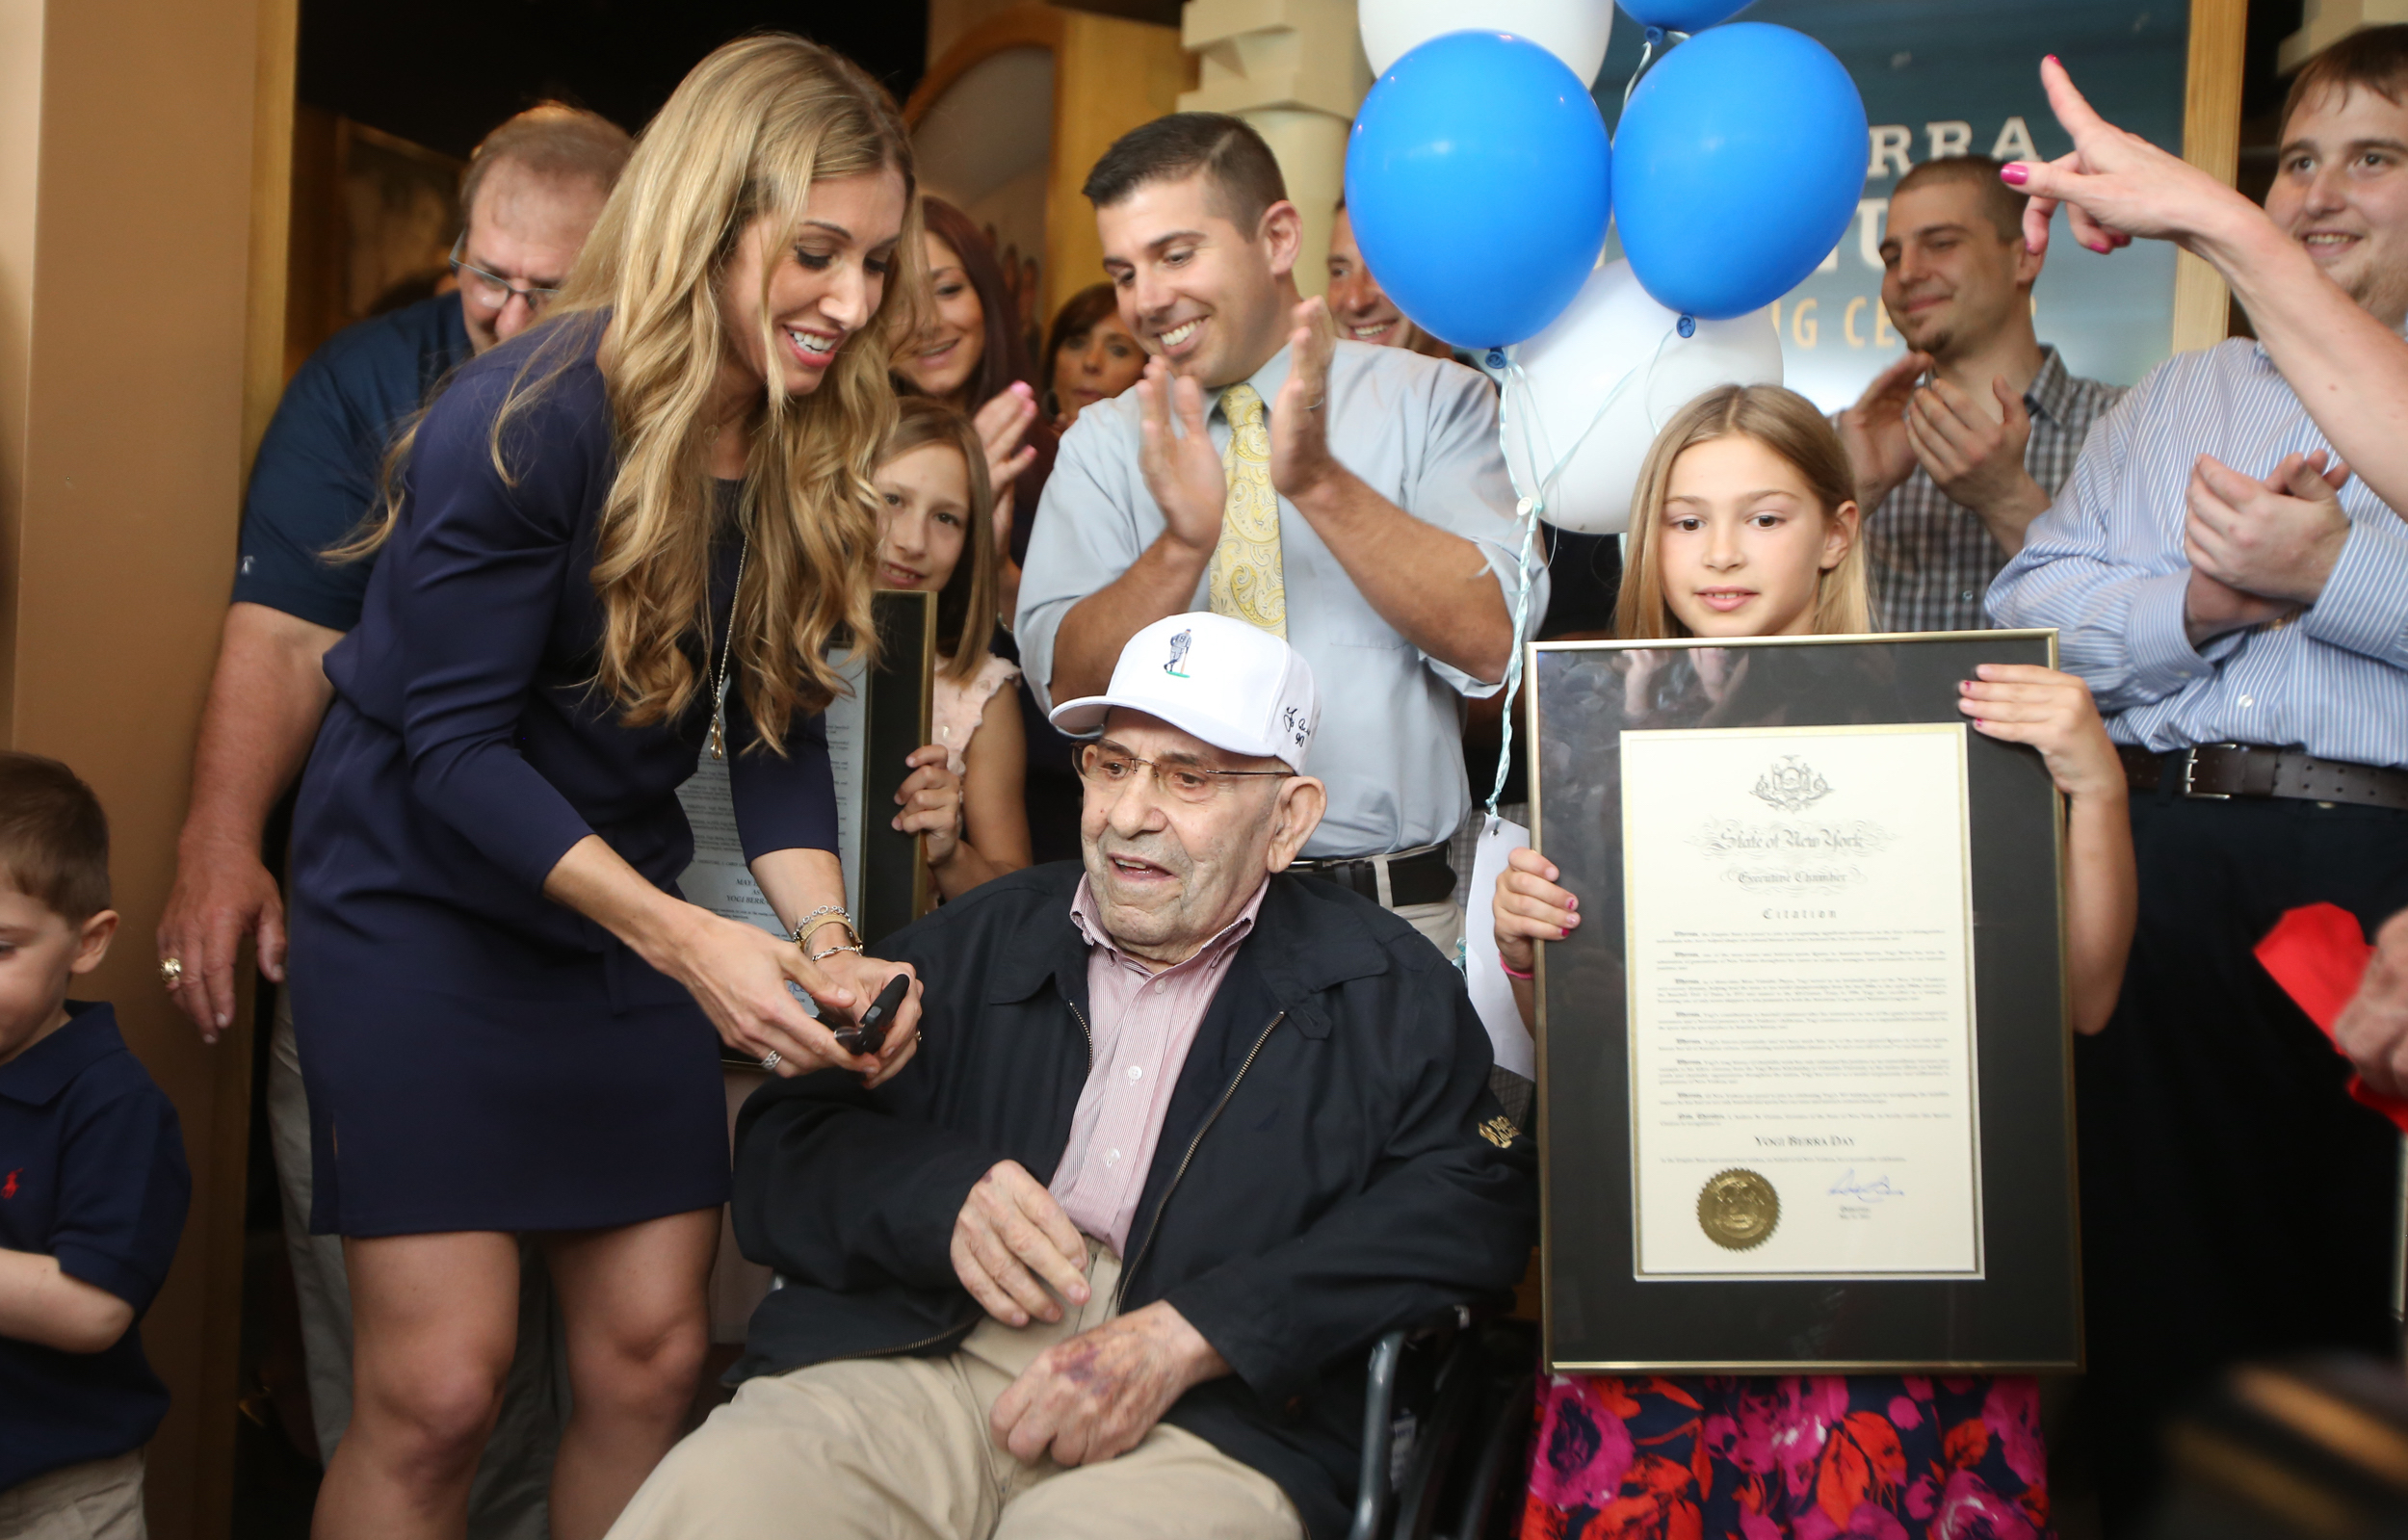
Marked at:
<point>869,1035</point>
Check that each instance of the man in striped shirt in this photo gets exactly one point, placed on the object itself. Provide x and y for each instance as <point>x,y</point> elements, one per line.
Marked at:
<point>2245,624</point>
<point>1958,446</point>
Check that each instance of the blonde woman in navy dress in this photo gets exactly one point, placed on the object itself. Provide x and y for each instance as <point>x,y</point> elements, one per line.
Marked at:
<point>655,503</point>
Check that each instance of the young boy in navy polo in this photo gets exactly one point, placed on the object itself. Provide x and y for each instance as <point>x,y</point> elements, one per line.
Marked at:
<point>93,1182</point>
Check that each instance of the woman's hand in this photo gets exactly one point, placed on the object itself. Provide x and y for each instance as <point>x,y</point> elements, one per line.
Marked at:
<point>930,798</point>
<point>1002,423</point>
<point>2052,712</point>
<point>1530,908</point>
<point>739,973</point>
<point>2117,185</point>
<point>857,981</point>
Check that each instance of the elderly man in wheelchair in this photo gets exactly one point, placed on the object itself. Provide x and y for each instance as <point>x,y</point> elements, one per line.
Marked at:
<point>1185,1134</point>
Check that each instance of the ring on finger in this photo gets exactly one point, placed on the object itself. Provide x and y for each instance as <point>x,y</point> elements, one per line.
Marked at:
<point>172,970</point>
<point>772,1060</point>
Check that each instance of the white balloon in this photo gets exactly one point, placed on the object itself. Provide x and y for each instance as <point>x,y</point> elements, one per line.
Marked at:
<point>1574,30</point>
<point>1613,331</point>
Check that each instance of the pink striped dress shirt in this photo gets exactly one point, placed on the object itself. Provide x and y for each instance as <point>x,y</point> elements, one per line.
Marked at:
<point>1143,1023</point>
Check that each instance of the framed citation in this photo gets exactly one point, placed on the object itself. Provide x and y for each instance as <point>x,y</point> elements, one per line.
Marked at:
<point>1805,1069</point>
<point>872,729</point>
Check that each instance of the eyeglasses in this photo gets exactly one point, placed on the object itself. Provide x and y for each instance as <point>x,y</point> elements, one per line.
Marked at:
<point>491,288</point>
<point>1113,767</point>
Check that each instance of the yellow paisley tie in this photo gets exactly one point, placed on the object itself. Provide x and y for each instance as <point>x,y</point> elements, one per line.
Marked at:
<point>1246,581</point>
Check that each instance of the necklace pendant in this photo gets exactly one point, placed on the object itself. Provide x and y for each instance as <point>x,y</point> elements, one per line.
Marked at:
<point>718,739</point>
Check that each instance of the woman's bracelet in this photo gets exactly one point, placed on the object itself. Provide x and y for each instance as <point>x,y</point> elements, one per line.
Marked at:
<point>1511,972</point>
<point>822,956</point>
<point>827,914</point>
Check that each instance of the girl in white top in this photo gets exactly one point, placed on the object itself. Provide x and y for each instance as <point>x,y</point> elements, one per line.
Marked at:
<point>963,794</point>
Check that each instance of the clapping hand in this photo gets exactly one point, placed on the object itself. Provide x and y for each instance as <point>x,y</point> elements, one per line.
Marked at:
<point>1299,419</point>
<point>1976,461</point>
<point>1879,453</point>
<point>2275,539</point>
<point>1002,425</point>
<point>1182,469</point>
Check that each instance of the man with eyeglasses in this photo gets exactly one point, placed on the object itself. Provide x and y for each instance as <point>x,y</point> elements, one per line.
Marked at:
<point>1184,1135</point>
<point>533,189</point>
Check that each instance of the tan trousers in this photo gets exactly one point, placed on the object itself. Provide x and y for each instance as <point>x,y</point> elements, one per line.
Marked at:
<point>100,1500</point>
<point>1441,921</point>
<point>897,1448</point>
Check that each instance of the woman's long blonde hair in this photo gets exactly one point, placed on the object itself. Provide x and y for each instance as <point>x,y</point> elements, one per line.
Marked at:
<point>965,606</point>
<point>1785,422</point>
<point>742,137</point>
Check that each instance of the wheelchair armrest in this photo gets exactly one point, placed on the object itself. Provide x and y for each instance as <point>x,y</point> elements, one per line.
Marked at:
<point>1380,1396</point>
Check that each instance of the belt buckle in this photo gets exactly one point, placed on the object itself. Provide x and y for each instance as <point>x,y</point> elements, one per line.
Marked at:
<point>2190,769</point>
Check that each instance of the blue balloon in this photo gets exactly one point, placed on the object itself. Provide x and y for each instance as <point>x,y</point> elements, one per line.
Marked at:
<point>1681,15</point>
<point>1740,158</point>
<point>1478,180</point>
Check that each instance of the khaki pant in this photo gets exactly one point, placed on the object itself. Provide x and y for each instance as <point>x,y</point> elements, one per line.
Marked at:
<point>1441,921</point>
<point>897,1448</point>
<point>100,1500</point>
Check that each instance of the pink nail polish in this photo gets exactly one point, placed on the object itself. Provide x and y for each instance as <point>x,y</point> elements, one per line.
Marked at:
<point>2014,175</point>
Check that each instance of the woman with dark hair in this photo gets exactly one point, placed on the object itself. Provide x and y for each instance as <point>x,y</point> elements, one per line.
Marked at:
<point>970,355</point>
<point>1089,355</point>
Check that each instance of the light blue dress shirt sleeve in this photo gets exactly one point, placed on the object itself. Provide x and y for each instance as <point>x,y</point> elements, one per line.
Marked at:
<point>2106,567</point>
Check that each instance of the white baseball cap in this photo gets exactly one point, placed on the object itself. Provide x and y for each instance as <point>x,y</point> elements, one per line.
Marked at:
<point>1234,686</point>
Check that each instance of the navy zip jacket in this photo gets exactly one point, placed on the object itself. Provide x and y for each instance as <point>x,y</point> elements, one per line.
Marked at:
<point>1332,1164</point>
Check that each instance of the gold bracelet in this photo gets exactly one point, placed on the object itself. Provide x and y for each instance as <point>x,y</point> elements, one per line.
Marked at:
<point>820,919</point>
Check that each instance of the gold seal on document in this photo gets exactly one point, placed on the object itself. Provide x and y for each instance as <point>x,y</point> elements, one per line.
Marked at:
<point>1737,1210</point>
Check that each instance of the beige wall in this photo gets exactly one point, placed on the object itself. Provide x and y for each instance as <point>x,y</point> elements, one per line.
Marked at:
<point>127,137</point>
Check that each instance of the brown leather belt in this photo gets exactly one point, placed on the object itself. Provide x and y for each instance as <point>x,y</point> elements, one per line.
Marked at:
<point>2218,772</point>
<point>1426,877</point>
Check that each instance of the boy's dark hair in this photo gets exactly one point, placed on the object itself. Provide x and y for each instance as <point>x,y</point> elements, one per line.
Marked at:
<point>1243,174</point>
<point>2376,59</point>
<point>2000,203</point>
<point>54,838</point>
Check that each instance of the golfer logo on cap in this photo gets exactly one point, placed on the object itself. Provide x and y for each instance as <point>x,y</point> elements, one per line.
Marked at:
<point>1179,645</point>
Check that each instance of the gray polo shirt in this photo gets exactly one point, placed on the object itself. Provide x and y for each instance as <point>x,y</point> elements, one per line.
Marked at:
<point>1423,432</point>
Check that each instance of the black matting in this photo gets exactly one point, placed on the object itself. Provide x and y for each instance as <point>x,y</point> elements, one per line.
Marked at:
<point>2024,1314</point>
<point>900,698</point>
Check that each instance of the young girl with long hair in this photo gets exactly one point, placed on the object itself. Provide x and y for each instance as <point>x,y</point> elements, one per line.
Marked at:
<point>619,541</point>
<point>1745,525</point>
<point>962,796</point>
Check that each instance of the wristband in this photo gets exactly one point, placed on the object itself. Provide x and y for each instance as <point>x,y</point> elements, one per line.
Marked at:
<point>1511,972</point>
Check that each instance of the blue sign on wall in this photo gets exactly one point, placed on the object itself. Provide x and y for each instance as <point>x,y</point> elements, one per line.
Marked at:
<point>1954,77</point>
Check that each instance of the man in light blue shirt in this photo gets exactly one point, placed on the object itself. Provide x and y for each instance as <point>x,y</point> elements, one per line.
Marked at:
<point>1394,567</point>
<point>2245,626</point>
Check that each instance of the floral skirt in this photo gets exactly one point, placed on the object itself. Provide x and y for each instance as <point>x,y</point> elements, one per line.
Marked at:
<point>1884,1457</point>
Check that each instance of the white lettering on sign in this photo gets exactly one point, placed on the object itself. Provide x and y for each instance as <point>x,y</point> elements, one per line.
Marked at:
<point>1949,139</point>
<point>1891,144</point>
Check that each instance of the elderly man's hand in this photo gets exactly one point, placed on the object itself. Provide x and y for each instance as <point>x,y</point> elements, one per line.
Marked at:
<point>1095,1396</point>
<point>1010,1240</point>
<point>2374,1027</point>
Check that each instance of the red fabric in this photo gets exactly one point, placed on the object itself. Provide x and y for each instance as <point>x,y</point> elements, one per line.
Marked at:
<point>2317,954</point>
